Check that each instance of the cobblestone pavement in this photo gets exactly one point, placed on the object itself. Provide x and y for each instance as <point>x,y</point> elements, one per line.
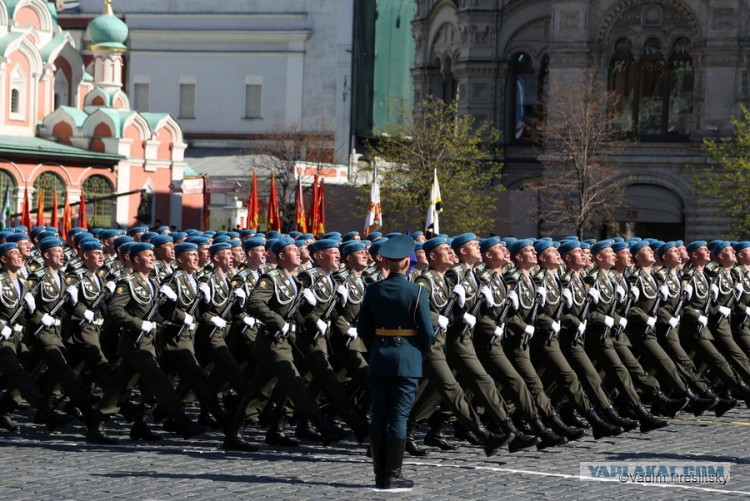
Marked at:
<point>61,466</point>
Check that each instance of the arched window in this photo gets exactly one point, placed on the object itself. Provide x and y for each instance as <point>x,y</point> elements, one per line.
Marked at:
<point>7,189</point>
<point>680,115</point>
<point>100,213</point>
<point>622,80</point>
<point>528,92</point>
<point>15,101</point>
<point>17,86</point>
<point>47,183</point>
<point>651,85</point>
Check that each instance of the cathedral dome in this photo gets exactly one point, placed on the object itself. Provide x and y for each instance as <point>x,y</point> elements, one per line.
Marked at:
<point>107,31</point>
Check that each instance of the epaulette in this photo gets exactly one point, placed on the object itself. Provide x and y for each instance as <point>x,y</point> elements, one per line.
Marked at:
<point>662,273</point>
<point>341,274</point>
<point>39,274</point>
<point>513,275</point>
<point>566,278</point>
<point>272,273</point>
<point>265,268</point>
<point>485,275</point>
<point>538,276</point>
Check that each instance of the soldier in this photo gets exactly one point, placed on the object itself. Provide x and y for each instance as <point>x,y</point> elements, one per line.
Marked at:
<point>740,324</point>
<point>244,327</point>
<point>24,247</point>
<point>395,322</point>
<point>238,254</point>
<point>164,251</point>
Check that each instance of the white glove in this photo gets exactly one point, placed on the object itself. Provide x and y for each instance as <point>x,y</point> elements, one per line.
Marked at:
<point>581,328</point>
<point>249,321</point>
<point>88,315</point>
<point>470,320</point>
<point>111,286</point>
<point>322,326</point>
<point>188,320</point>
<point>609,321</point>
<point>285,330</point>
<point>343,291</point>
<point>687,289</point>
<point>241,295</point>
<point>594,294</point>
<point>218,322</point>
<point>623,322</point>
<point>674,322</point>
<point>747,310</point>
<point>738,290</point>
<point>6,332</point>
<point>30,302</point>
<point>542,293</point>
<point>47,320</point>
<point>703,320</point>
<point>206,291</point>
<point>724,311</point>
<point>442,322</point>
<point>309,297</point>
<point>556,327</point>
<point>72,291</point>
<point>664,291</point>
<point>352,333</point>
<point>460,293</point>
<point>498,334</point>
<point>568,298</point>
<point>636,293</point>
<point>620,294</point>
<point>529,331</point>
<point>714,292</point>
<point>147,326</point>
<point>513,298</point>
<point>651,322</point>
<point>168,292</point>
<point>489,300</point>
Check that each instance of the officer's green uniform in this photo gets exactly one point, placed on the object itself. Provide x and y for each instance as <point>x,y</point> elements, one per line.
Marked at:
<point>720,323</point>
<point>349,353</point>
<point>741,316</point>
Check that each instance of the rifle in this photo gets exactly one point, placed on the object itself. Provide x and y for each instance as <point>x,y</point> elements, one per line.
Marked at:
<point>586,307</point>
<point>706,307</point>
<point>17,314</point>
<point>683,297</point>
<point>625,313</point>
<point>532,319</point>
<point>191,312</point>
<point>611,312</point>
<point>151,313</point>
<point>293,310</point>
<point>52,312</point>
<point>226,312</point>
<point>556,316</point>
<point>475,309</point>
<point>654,309</point>
<point>504,314</point>
<point>327,314</point>
<point>95,305</point>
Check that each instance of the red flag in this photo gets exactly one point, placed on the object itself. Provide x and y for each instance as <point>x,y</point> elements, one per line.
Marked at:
<point>321,228</point>
<point>40,209</point>
<point>67,222</point>
<point>299,203</point>
<point>26,210</point>
<point>206,202</point>
<point>312,215</point>
<point>252,204</point>
<point>273,222</point>
<point>83,219</point>
<point>53,219</point>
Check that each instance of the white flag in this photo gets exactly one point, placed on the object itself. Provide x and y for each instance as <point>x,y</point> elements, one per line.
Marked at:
<point>374,218</point>
<point>432,226</point>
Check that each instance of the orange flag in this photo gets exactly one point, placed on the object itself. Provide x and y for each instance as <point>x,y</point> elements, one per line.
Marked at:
<point>83,220</point>
<point>53,218</point>
<point>40,209</point>
<point>312,215</point>
<point>321,227</point>
<point>26,210</point>
<point>252,204</point>
<point>67,222</point>
<point>299,203</point>
<point>273,222</point>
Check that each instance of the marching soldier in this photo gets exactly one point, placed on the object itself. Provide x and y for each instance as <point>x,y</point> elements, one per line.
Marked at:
<point>740,323</point>
<point>164,251</point>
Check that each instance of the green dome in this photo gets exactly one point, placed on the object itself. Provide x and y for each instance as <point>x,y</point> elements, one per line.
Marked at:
<point>107,31</point>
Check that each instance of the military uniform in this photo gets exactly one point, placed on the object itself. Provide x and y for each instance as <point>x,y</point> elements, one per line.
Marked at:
<point>349,352</point>
<point>720,323</point>
<point>740,322</point>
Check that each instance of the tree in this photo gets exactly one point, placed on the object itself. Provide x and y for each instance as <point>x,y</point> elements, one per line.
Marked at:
<point>576,137</point>
<point>435,136</point>
<point>726,179</point>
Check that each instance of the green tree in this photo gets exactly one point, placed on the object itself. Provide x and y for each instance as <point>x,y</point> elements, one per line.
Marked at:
<point>726,179</point>
<point>435,136</point>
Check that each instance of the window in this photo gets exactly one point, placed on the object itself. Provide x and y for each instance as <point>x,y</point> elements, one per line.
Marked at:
<point>100,213</point>
<point>15,101</point>
<point>46,183</point>
<point>655,91</point>
<point>253,100</point>
<point>17,93</point>
<point>187,100</point>
<point>528,93</point>
<point>141,96</point>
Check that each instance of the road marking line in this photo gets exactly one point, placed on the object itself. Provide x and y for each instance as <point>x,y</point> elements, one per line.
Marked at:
<point>696,420</point>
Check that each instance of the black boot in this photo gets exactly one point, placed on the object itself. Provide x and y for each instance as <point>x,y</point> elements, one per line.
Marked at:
<point>548,437</point>
<point>724,406</point>
<point>186,427</point>
<point>276,436</point>
<point>742,390</point>
<point>668,406</point>
<point>205,419</point>
<point>360,428</point>
<point>521,440</point>
<point>306,431</point>
<point>648,421</point>
<point>95,432</point>
<point>700,404</point>
<point>141,431</point>
<point>377,449</point>
<point>491,442</point>
<point>570,432</point>
<point>569,417</point>
<point>601,428</point>
<point>626,424</point>
<point>51,419</point>
<point>6,423</point>
<point>411,442</point>
<point>461,433</point>
<point>233,440</point>
<point>330,434</point>
<point>394,458</point>
<point>434,437</point>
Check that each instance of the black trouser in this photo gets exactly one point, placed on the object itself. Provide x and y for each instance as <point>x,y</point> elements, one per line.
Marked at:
<point>16,377</point>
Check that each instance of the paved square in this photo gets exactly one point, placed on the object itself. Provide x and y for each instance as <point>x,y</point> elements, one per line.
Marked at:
<point>37,466</point>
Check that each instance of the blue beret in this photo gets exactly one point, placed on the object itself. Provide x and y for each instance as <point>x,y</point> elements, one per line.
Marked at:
<point>618,246</point>
<point>433,242</point>
<point>22,228</point>
<point>185,247</point>
<point>178,235</point>
<point>49,242</point>
<point>6,247</point>
<point>665,247</point>
<point>649,240</point>
<point>161,240</point>
<point>542,245</point>
<point>738,246</point>
<point>352,246</point>
<point>589,241</point>
<point>717,248</point>
<point>555,244</point>
<point>46,234</point>
<point>5,234</point>
<point>253,242</point>
<point>617,239</point>
<point>235,242</point>
<point>132,231</point>
<point>16,237</point>
<point>372,236</point>
<point>300,242</point>
<point>139,247</point>
<point>209,233</point>
<point>462,239</point>
<point>331,234</point>
<point>326,243</point>
<point>94,231</point>
<point>417,234</point>
<point>161,229</point>
<point>350,236</point>
<point>635,247</point>
<point>148,236</point>
<point>220,239</point>
<point>488,243</point>
<point>392,234</point>
<point>295,234</point>
<point>570,237</point>
<point>585,245</point>
<point>121,240</point>
<point>545,238</point>
<point>38,229</point>
<point>656,244</point>
<point>220,233</point>
<point>419,245</point>
<point>679,243</point>
<point>269,243</point>
<point>375,247</point>
<point>697,244</point>
<point>246,233</point>
<point>125,248</point>
<point>233,234</point>
<point>219,247</point>
<point>273,234</point>
<point>192,232</point>
<point>519,245</point>
<point>108,233</point>
<point>307,236</point>
<point>632,241</point>
<point>280,243</point>
<point>568,245</point>
<point>508,241</point>
<point>398,247</point>
<point>714,242</point>
<point>84,235</point>
<point>601,245</point>
<point>91,244</point>
<point>198,241</point>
